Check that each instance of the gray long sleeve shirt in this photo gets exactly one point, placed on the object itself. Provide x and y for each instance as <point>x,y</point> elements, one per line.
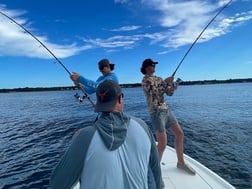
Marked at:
<point>116,154</point>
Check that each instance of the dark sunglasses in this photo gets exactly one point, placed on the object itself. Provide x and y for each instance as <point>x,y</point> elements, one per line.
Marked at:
<point>101,67</point>
<point>121,95</point>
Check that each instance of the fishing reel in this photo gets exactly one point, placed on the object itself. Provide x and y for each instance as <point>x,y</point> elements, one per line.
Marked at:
<point>79,98</point>
<point>176,83</point>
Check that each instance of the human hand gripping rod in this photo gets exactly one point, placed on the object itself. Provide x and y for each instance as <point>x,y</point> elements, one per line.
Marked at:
<point>64,67</point>
<point>200,36</point>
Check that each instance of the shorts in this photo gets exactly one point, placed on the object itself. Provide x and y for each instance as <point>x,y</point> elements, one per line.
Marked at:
<point>162,119</point>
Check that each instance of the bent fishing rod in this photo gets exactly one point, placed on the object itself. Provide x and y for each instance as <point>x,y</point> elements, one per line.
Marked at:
<point>51,53</point>
<point>200,36</point>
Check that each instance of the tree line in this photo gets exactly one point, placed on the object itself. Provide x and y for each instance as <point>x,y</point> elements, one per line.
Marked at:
<point>131,85</point>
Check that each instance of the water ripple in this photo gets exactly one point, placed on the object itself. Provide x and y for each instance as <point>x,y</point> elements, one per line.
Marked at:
<point>34,134</point>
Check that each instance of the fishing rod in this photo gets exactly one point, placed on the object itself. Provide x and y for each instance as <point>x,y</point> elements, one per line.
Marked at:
<point>200,36</point>
<point>64,67</point>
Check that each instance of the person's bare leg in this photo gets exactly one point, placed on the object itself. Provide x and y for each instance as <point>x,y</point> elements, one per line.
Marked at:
<point>178,142</point>
<point>162,142</point>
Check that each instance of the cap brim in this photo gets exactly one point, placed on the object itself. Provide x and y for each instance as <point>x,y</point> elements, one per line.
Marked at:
<point>112,66</point>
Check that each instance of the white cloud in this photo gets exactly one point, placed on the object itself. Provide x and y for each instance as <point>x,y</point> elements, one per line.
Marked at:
<point>183,21</point>
<point>15,41</point>
<point>126,28</point>
<point>121,1</point>
<point>114,42</point>
<point>249,62</point>
<point>120,42</point>
<point>178,23</point>
<point>184,32</point>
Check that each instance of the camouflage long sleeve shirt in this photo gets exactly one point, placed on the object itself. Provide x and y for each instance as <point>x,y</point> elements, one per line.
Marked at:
<point>154,89</point>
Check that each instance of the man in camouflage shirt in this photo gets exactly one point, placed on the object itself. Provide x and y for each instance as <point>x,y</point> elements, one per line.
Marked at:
<point>162,118</point>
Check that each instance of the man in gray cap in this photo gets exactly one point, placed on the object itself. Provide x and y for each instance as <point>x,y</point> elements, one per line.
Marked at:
<point>105,67</point>
<point>118,151</point>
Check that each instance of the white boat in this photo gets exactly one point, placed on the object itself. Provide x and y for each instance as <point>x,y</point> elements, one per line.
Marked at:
<point>175,178</point>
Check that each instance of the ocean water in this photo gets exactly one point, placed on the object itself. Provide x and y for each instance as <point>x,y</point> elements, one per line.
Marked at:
<point>36,129</point>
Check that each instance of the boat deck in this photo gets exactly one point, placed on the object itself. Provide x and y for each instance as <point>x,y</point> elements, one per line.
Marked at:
<point>175,178</point>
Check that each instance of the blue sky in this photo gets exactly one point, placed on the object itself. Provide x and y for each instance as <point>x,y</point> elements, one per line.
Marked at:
<point>80,33</point>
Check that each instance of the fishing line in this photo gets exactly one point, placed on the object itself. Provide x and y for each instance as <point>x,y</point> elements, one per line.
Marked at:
<point>64,67</point>
<point>200,36</point>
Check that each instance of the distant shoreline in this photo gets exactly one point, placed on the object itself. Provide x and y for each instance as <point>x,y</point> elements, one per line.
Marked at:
<point>199,82</point>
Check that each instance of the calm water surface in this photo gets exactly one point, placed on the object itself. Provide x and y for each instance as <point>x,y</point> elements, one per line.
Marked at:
<point>36,128</point>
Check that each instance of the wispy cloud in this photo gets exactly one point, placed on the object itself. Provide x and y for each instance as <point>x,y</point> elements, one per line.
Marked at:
<point>249,62</point>
<point>114,42</point>
<point>182,22</point>
<point>126,28</point>
<point>178,23</point>
<point>17,42</point>
<point>121,1</point>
